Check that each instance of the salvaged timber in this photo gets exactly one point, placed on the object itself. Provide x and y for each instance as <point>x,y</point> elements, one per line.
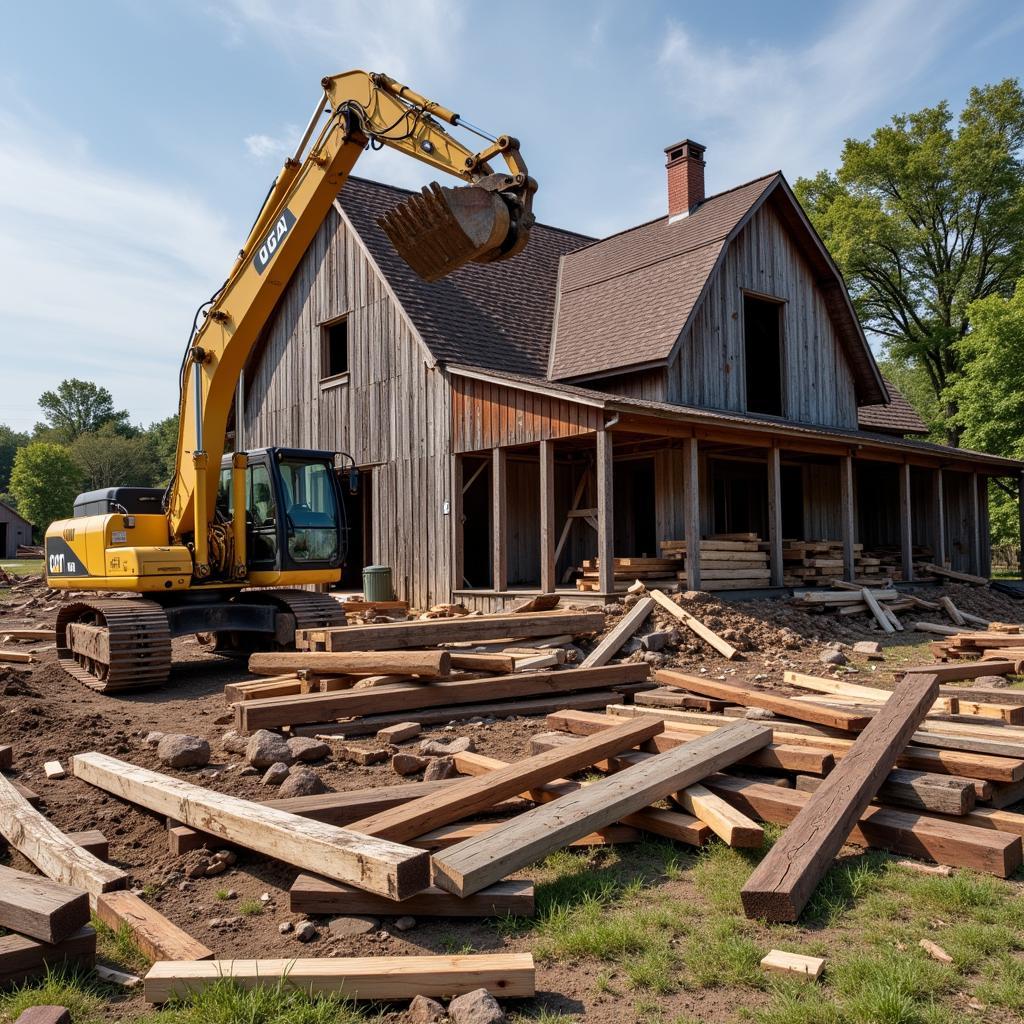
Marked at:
<point>312,895</point>
<point>22,958</point>
<point>696,626</point>
<point>384,978</point>
<point>620,633</point>
<point>16,657</point>
<point>960,577</point>
<point>749,697</point>
<point>907,833</point>
<point>472,795</point>
<point>841,597</point>
<point>56,855</point>
<point>273,712</point>
<point>6,756</point>
<point>780,886</point>
<point>876,609</point>
<point>363,861</point>
<point>158,938</point>
<point>429,632</point>
<point>795,964</point>
<point>952,611</point>
<point>447,836</point>
<point>964,670</point>
<point>39,908</point>
<point>428,664</point>
<point>732,827</point>
<point>480,862</point>
<point>28,634</point>
<point>844,689</point>
<point>924,791</point>
<point>936,627</point>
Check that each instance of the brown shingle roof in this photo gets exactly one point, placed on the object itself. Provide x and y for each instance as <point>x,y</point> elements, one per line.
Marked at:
<point>898,417</point>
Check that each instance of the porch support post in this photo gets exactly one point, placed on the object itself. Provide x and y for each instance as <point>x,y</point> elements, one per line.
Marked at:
<point>906,530</point>
<point>499,518</point>
<point>775,515</point>
<point>547,516</point>
<point>975,526</point>
<point>940,520</point>
<point>1020,520</point>
<point>691,505</point>
<point>458,524</point>
<point>846,515</point>
<point>605,514</point>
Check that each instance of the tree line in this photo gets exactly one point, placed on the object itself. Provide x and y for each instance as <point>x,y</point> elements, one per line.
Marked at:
<point>82,443</point>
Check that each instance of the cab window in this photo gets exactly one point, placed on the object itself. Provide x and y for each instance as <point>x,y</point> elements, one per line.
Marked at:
<point>311,511</point>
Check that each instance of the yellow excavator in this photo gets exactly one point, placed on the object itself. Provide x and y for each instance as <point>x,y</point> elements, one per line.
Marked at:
<point>217,551</point>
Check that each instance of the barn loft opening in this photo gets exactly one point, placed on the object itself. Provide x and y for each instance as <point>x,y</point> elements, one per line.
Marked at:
<point>762,345</point>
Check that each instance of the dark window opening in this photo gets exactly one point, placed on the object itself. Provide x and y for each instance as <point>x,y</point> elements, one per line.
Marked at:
<point>633,504</point>
<point>741,497</point>
<point>762,343</point>
<point>334,354</point>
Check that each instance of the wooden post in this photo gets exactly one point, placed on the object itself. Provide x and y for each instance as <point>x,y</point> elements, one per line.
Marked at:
<point>939,554</point>
<point>775,515</point>
<point>1020,520</point>
<point>547,516</point>
<point>906,527</point>
<point>605,514</point>
<point>846,514</point>
<point>458,524</point>
<point>499,519</point>
<point>691,501</point>
<point>975,527</point>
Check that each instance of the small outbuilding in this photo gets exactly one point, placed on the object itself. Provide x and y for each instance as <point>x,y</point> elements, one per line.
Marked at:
<point>14,530</point>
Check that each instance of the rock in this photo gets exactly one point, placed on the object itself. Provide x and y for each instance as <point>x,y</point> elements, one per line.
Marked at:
<point>153,738</point>
<point>285,927</point>
<point>655,641</point>
<point>350,927</point>
<point>266,748</point>
<point>301,783</point>
<point>59,1015</point>
<point>405,924</point>
<point>408,764</point>
<point>216,867</point>
<point>214,922</point>
<point>614,608</point>
<point>476,1007</point>
<point>305,748</point>
<point>997,681</point>
<point>869,647</point>
<point>181,751</point>
<point>275,774</point>
<point>306,931</point>
<point>234,743</point>
<point>758,714</point>
<point>630,599</point>
<point>229,857</point>
<point>832,657</point>
<point>198,870</point>
<point>423,1010</point>
<point>441,748</point>
<point>247,771</point>
<point>654,658</point>
<point>439,768</point>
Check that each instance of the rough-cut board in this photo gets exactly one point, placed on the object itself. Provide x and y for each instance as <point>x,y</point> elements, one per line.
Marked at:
<point>39,908</point>
<point>312,895</point>
<point>620,633</point>
<point>842,688</point>
<point>731,826</point>
<point>158,938</point>
<point>696,626</point>
<point>385,978</point>
<point>273,712</point>
<point>924,791</point>
<point>780,886</point>
<point>390,636</point>
<point>363,861</point>
<point>428,664</point>
<point>964,670</point>
<point>749,697</point>
<point>22,958</point>
<point>55,854</point>
<point>472,795</point>
<point>480,862</point>
<point>452,835</point>
<point>780,962</point>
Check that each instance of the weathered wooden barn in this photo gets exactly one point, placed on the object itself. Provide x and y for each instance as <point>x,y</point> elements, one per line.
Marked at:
<point>14,530</point>
<point>699,375</point>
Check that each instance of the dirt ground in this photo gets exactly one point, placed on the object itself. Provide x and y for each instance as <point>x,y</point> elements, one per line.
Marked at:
<point>46,716</point>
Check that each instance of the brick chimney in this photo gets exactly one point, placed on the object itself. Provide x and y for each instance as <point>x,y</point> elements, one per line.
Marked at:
<point>685,166</point>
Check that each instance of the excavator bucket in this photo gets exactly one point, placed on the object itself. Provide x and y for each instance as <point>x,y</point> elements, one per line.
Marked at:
<point>444,228</point>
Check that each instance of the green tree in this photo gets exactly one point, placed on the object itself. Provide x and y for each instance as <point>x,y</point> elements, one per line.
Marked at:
<point>44,481</point>
<point>81,407</point>
<point>106,459</point>
<point>10,442</point>
<point>925,218</point>
<point>162,438</point>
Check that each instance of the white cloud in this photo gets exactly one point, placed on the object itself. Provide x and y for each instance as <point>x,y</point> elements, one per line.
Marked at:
<point>264,146</point>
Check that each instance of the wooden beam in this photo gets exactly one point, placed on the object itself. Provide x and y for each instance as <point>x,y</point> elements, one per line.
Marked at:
<point>731,826</point>
<point>619,634</point>
<point>56,855</point>
<point>696,626</point>
<point>363,861</point>
<point>906,524</point>
<point>548,580</point>
<point>974,508</point>
<point>567,527</point>
<point>427,664</point>
<point>384,978</point>
<point>775,515</point>
<point>854,690</point>
<point>499,519</point>
<point>447,836</point>
<point>39,908</point>
<point>476,794</point>
<point>273,712</point>
<point>783,882</point>
<point>963,670</point>
<point>156,937</point>
<point>924,791</point>
<point>876,609</point>
<point>22,958</point>
<point>847,515</point>
<point>691,511</point>
<point>940,519</point>
<point>605,513</point>
<point>480,862</point>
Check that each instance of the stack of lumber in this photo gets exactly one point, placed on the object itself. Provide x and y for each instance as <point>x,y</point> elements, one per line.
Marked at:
<point>999,641</point>
<point>626,571</point>
<point>727,561</point>
<point>811,563</point>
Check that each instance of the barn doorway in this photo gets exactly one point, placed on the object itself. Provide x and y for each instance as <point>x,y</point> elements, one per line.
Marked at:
<point>476,524</point>
<point>740,492</point>
<point>359,524</point>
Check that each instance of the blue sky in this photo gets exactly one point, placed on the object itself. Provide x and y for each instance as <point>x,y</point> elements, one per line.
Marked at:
<point>138,139</point>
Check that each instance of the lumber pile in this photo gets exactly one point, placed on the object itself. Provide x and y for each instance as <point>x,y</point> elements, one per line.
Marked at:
<point>735,561</point>
<point>626,571</point>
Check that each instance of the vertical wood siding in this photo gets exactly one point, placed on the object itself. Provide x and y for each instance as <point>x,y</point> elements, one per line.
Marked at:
<point>708,370</point>
<point>822,512</point>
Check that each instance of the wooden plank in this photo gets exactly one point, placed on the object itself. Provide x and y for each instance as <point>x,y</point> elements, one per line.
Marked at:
<point>783,882</point>
<point>774,515</point>
<point>499,519</point>
<point>54,853</point>
<point>777,961</point>
<point>312,895</point>
<point>960,577</point>
<point>273,712</point>
<point>749,697</point>
<point>620,633</point>
<point>28,634</point>
<point>845,689</point>
<point>364,861</point>
<point>876,609</point>
<point>732,827</point>
<point>16,657</point>
<point>429,664</point>
<point>964,670</point>
<point>691,514</point>
<point>952,611</point>
<point>480,862</point>
<point>158,938</point>
<point>476,794</point>
<point>39,908</point>
<point>924,791</point>
<point>696,626</point>
<point>384,978</point>
<point>447,836</point>
<point>547,516</point>
<point>605,511</point>
<point>23,958</point>
<point>389,636</point>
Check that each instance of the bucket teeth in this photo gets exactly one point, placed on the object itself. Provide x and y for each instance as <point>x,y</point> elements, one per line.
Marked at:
<point>442,229</point>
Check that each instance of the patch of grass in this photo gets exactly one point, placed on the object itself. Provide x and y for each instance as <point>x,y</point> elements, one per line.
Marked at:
<point>721,873</point>
<point>892,987</point>
<point>722,953</point>
<point>1003,984</point>
<point>844,885</point>
<point>603,983</point>
<point>250,908</point>
<point>119,947</point>
<point>543,1016</point>
<point>970,943</point>
<point>82,995</point>
<point>223,894</point>
<point>796,1002</point>
<point>962,893</point>
<point>653,971</point>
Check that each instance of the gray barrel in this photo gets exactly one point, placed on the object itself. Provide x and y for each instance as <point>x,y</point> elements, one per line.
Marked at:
<point>377,583</point>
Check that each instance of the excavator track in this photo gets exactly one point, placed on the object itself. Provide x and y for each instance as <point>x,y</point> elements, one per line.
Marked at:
<point>310,609</point>
<point>137,644</point>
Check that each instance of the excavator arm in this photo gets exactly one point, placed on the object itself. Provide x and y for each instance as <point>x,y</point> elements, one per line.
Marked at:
<point>435,233</point>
